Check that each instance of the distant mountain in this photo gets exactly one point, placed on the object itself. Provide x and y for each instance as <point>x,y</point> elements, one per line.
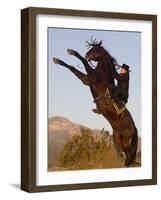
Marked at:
<point>60,130</point>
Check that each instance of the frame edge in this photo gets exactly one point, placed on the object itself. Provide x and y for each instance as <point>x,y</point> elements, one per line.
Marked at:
<point>28,99</point>
<point>154,99</point>
<point>90,13</point>
<point>24,99</point>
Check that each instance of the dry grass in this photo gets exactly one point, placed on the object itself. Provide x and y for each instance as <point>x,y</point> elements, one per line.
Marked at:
<point>88,151</point>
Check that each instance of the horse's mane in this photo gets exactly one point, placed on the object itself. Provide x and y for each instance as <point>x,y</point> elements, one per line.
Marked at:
<point>111,58</point>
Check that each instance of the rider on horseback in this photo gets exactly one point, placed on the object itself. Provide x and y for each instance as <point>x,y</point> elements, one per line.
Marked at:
<point>121,92</point>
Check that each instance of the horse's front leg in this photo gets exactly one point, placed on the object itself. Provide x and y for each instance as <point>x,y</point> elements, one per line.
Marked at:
<point>88,68</point>
<point>83,77</point>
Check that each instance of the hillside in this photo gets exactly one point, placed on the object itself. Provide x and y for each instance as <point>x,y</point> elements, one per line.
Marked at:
<point>60,130</point>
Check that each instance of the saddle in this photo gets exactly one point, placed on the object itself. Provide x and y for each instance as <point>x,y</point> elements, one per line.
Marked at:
<point>119,106</point>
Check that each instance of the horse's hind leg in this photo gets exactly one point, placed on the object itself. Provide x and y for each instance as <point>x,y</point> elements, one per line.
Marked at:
<point>133,146</point>
<point>117,143</point>
<point>128,160</point>
<point>130,147</point>
<point>122,145</point>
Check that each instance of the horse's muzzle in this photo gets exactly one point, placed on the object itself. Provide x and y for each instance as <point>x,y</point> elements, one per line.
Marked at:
<point>87,58</point>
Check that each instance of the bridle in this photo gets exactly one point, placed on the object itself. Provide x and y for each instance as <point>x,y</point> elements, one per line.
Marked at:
<point>92,64</point>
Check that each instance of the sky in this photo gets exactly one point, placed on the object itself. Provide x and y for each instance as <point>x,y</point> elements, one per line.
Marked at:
<point>67,96</point>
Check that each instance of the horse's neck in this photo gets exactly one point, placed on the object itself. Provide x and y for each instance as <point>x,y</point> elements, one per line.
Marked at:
<point>104,67</point>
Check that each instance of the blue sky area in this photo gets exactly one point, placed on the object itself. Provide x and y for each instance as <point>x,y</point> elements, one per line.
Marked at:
<point>67,96</point>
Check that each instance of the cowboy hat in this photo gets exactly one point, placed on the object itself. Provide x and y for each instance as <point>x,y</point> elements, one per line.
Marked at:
<point>124,66</point>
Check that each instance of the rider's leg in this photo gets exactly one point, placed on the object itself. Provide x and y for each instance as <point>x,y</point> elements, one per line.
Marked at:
<point>116,94</point>
<point>124,96</point>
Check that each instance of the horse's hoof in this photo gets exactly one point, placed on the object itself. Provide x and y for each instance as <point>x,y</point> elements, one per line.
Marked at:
<point>70,51</point>
<point>56,60</point>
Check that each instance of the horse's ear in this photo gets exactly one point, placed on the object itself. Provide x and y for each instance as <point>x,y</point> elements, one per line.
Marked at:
<point>100,43</point>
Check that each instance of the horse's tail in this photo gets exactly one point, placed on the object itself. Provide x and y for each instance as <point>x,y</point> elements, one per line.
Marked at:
<point>134,145</point>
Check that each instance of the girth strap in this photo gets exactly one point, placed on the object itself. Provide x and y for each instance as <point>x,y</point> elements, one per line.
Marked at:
<point>119,111</point>
<point>105,95</point>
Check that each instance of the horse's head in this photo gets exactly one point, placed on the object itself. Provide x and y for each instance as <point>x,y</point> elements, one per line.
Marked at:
<point>105,62</point>
<point>95,52</point>
<point>98,53</point>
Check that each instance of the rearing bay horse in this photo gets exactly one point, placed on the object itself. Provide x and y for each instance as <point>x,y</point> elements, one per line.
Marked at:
<point>99,79</point>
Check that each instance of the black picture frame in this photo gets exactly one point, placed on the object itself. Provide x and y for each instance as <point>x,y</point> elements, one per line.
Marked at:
<point>28,98</point>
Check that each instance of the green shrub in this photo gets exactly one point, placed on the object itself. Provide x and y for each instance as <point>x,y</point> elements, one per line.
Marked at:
<point>89,151</point>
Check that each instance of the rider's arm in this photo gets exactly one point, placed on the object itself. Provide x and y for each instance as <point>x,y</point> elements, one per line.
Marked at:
<point>116,75</point>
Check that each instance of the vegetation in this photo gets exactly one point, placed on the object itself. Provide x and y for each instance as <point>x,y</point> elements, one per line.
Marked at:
<point>89,151</point>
